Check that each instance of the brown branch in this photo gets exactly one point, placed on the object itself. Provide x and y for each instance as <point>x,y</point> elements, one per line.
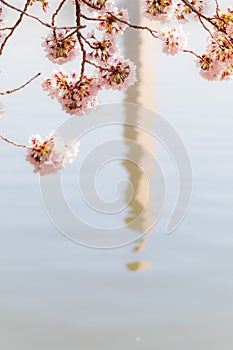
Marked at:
<point>217,6</point>
<point>79,36</point>
<point>91,5</point>
<point>14,143</point>
<point>191,52</point>
<point>21,86</point>
<point>73,32</point>
<point>134,26</point>
<point>87,42</point>
<point>205,27</point>
<point>57,12</point>
<point>98,66</point>
<point>201,15</point>
<point>17,23</point>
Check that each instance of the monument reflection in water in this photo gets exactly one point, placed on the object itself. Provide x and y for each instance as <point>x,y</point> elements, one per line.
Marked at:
<point>140,48</point>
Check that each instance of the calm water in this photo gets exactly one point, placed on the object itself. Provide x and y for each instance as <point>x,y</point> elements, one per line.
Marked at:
<point>55,294</point>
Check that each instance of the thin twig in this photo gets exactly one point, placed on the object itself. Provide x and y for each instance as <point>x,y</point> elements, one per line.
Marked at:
<point>87,42</point>
<point>57,12</point>
<point>17,23</point>
<point>14,143</point>
<point>36,18</point>
<point>191,52</point>
<point>21,86</point>
<point>98,66</point>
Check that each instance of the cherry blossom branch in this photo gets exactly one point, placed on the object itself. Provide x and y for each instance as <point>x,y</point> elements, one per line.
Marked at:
<point>87,42</point>
<point>77,92</point>
<point>4,138</point>
<point>25,13</point>
<point>217,6</point>
<point>201,15</point>
<point>5,28</point>
<point>134,26</point>
<point>37,18</point>
<point>91,5</point>
<point>79,36</point>
<point>205,27</point>
<point>192,53</point>
<point>15,26</point>
<point>21,86</point>
<point>57,11</point>
<point>198,13</point>
<point>101,68</point>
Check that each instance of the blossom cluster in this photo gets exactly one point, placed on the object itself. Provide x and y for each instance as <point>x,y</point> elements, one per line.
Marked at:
<point>77,96</point>
<point>102,51</point>
<point>61,46</point>
<point>101,65</point>
<point>174,40</point>
<point>50,155</point>
<point>77,92</point>
<point>1,109</point>
<point>217,62</point>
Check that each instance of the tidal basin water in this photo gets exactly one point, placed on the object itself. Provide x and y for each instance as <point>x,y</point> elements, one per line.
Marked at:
<point>55,294</point>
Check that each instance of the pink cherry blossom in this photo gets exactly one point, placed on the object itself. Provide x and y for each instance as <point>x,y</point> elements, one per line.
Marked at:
<point>61,47</point>
<point>224,20</point>
<point>50,155</point>
<point>229,29</point>
<point>220,48</point>
<point>104,50</point>
<point>160,10</point>
<point>227,72</point>
<point>209,68</point>
<point>174,40</point>
<point>119,75</point>
<point>184,14</point>
<point>113,22</point>
<point>76,95</point>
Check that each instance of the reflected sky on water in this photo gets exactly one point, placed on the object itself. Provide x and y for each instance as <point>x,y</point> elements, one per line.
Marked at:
<point>55,294</point>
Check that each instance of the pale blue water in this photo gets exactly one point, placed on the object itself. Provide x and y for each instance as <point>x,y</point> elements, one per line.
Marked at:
<point>55,294</point>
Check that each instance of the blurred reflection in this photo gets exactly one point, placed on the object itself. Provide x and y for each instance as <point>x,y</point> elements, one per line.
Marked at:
<point>140,48</point>
<point>138,266</point>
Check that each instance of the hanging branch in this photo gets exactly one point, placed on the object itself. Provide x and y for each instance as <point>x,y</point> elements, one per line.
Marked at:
<point>8,92</point>
<point>77,91</point>
<point>17,23</point>
<point>13,142</point>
